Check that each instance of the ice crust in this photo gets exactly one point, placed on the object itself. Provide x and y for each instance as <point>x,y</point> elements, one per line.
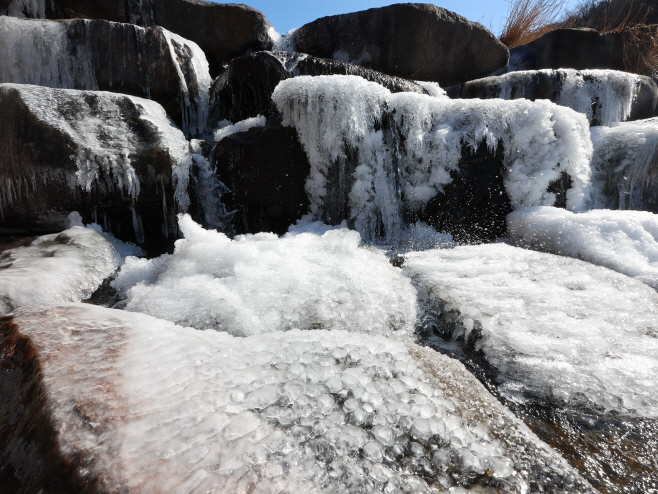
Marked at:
<point>153,407</point>
<point>402,147</point>
<point>262,283</point>
<point>604,95</point>
<point>64,267</point>
<point>552,328</point>
<point>623,166</point>
<point>40,52</point>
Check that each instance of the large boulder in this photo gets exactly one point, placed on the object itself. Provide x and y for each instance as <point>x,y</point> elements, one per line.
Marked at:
<point>411,40</point>
<point>607,97</point>
<point>265,170</point>
<point>113,158</point>
<point>582,48</point>
<point>81,54</point>
<point>223,31</point>
<point>245,86</point>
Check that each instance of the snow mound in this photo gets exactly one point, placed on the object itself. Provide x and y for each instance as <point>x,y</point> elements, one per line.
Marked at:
<point>64,267</point>
<point>385,152</point>
<point>181,410</point>
<point>551,327</point>
<point>262,283</point>
<point>624,241</point>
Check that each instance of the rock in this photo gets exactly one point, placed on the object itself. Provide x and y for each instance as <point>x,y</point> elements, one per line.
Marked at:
<point>244,88</point>
<point>265,170</point>
<point>582,48</point>
<point>411,40</point>
<point>223,31</point>
<point>114,158</point>
<point>605,96</point>
<point>81,54</point>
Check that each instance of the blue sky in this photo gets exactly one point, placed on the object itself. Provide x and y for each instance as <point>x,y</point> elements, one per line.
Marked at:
<point>288,14</point>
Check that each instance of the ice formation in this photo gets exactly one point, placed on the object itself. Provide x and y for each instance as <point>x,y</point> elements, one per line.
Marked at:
<point>53,54</point>
<point>262,283</point>
<point>27,8</point>
<point>606,96</point>
<point>432,88</point>
<point>388,151</point>
<point>623,166</point>
<point>552,328</point>
<point>64,267</point>
<point>147,406</point>
<point>242,126</point>
<point>624,241</point>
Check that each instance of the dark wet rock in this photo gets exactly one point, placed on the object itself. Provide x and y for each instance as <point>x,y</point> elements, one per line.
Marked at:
<point>30,456</point>
<point>108,156</point>
<point>411,40</point>
<point>265,171</point>
<point>223,31</point>
<point>150,63</point>
<point>244,88</point>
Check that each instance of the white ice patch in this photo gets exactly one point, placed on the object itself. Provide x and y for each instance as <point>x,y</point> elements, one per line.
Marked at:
<point>606,95</point>
<point>262,283</point>
<point>557,328</point>
<point>64,267</point>
<point>190,411</point>
<point>624,241</point>
<point>340,120</point>
<point>286,42</point>
<point>432,88</point>
<point>242,126</point>
<point>624,164</point>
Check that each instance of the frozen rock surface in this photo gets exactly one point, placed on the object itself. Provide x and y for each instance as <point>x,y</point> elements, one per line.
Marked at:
<point>142,405</point>
<point>379,153</point>
<point>116,159</point>
<point>64,267</point>
<point>411,40</point>
<point>82,54</point>
<point>624,166</point>
<point>262,283</point>
<point>552,328</point>
<point>606,97</point>
<point>624,241</point>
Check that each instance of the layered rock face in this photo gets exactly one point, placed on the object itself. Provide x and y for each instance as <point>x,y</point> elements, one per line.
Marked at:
<point>222,31</point>
<point>411,40</point>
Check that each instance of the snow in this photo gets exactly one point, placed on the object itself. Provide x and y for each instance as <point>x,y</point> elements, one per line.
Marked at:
<point>553,328</point>
<point>243,126</point>
<point>64,267</point>
<point>188,411</point>
<point>261,283</point>
<point>623,164</point>
<point>624,241</point>
<point>606,96</point>
<point>395,151</point>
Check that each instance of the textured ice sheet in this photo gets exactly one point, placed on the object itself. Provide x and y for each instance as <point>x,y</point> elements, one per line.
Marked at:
<point>64,267</point>
<point>262,283</point>
<point>399,148</point>
<point>624,165</point>
<point>552,327</point>
<point>624,241</point>
<point>604,95</point>
<point>153,407</point>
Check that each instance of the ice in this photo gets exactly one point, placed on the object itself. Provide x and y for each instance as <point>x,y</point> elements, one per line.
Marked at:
<point>624,241</point>
<point>553,328</point>
<point>385,152</point>
<point>64,267</point>
<point>262,283</point>
<point>243,126</point>
<point>152,407</point>
<point>623,167</point>
<point>53,54</point>
<point>27,8</point>
<point>432,88</point>
<point>286,42</point>
<point>604,96</point>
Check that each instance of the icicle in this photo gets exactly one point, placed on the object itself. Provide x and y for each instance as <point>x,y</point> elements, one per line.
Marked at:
<point>137,226</point>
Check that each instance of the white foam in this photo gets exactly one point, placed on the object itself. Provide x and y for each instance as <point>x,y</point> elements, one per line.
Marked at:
<point>64,267</point>
<point>262,283</point>
<point>556,328</point>
<point>191,411</point>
